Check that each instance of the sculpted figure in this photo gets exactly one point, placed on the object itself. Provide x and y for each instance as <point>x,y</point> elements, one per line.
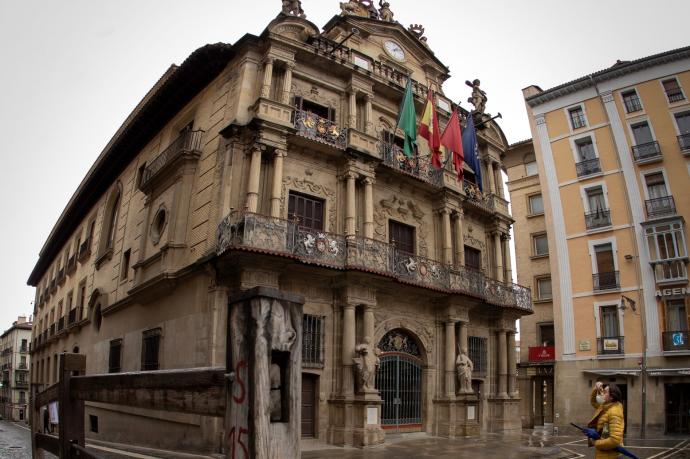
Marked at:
<point>464,366</point>
<point>351,7</point>
<point>385,12</point>
<point>293,8</point>
<point>366,364</point>
<point>283,334</point>
<point>478,97</point>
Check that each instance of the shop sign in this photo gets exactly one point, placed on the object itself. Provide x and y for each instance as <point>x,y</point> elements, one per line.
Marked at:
<point>678,338</point>
<point>676,291</point>
<point>610,344</point>
<point>585,345</point>
<point>542,353</point>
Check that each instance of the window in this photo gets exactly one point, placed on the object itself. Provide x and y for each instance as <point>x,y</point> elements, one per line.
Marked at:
<point>595,199</point>
<point>656,185</point>
<point>531,167</point>
<point>606,276</point>
<point>667,251</point>
<point>540,245</point>
<point>676,315</point>
<point>547,335</point>
<point>22,397</point>
<point>125,265</point>
<point>536,204</point>
<point>149,349</point>
<point>112,223</point>
<point>277,82</point>
<point>312,107</point>
<point>544,288</point>
<point>93,423</point>
<point>361,61</point>
<point>473,258</point>
<point>577,117</point>
<point>598,215</point>
<point>306,210</point>
<point>631,101</point>
<point>402,236</point>
<point>683,122</point>
<point>673,91</point>
<point>361,114</point>
<point>115,356</point>
<point>585,149</point>
<point>477,353</point>
<point>642,133</point>
<point>312,340</point>
<point>609,322</point>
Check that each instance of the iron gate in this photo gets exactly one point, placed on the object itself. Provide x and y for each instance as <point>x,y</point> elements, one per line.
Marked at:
<point>399,381</point>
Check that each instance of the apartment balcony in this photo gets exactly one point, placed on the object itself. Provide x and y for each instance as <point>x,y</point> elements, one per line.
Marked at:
<point>670,271</point>
<point>24,349</point>
<point>21,384</point>
<point>610,345</point>
<point>678,340</point>
<point>417,167</point>
<point>647,152</point>
<point>684,143</point>
<point>22,367</point>
<point>598,219</point>
<point>588,167</point>
<point>606,281</point>
<point>541,354</point>
<point>187,144</point>
<point>660,207</point>
<point>322,130</point>
<point>275,236</point>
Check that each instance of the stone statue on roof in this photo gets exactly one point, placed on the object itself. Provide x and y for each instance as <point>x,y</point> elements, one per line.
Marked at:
<point>293,8</point>
<point>385,13</point>
<point>418,31</point>
<point>478,97</point>
<point>361,8</point>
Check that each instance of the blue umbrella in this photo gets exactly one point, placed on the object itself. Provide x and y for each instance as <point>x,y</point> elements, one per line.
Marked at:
<point>594,435</point>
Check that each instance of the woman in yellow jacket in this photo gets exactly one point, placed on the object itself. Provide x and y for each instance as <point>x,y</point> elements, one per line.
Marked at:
<point>607,420</point>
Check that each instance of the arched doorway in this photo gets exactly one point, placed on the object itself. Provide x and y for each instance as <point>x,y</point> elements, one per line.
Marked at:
<point>399,381</point>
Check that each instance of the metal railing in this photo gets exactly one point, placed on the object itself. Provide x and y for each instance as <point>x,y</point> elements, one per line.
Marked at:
<point>598,219</point>
<point>670,270</point>
<point>588,167</point>
<point>286,238</point>
<point>476,197</point>
<point>606,281</point>
<point>321,130</point>
<point>660,207</point>
<point>417,166</point>
<point>632,104</point>
<point>684,142</point>
<point>577,119</point>
<point>678,340</point>
<point>675,95</point>
<point>646,151</point>
<point>610,345</point>
<point>187,142</point>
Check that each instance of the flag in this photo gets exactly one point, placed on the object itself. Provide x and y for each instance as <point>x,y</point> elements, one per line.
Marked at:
<point>469,144</point>
<point>451,141</point>
<point>428,128</point>
<point>407,120</point>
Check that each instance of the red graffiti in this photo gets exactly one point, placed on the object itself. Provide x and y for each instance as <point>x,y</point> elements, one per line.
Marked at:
<point>238,441</point>
<point>241,364</point>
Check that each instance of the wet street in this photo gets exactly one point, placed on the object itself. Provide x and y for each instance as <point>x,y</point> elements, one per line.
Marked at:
<point>15,441</point>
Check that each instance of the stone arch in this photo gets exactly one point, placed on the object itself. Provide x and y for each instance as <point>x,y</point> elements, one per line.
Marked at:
<point>422,336</point>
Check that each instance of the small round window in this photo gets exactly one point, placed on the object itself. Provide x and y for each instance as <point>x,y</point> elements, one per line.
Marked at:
<point>158,225</point>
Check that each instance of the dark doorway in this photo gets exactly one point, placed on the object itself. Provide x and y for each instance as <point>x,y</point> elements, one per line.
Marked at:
<point>309,390</point>
<point>677,408</point>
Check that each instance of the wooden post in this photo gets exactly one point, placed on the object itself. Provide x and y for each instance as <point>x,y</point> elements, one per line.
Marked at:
<point>36,425</point>
<point>70,410</point>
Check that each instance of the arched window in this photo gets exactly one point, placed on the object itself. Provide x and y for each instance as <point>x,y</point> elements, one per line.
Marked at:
<point>109,225</point>
<point>112,222</point>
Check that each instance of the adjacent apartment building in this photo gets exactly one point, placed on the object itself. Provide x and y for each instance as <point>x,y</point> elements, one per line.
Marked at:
<point>275,162</point>
<point>14,359</point>
<point>610,167</point>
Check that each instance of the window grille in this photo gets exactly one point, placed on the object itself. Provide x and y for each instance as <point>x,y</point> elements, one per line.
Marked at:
<point>149,349</point>
<point>477,354</point>
<point>313,328</point>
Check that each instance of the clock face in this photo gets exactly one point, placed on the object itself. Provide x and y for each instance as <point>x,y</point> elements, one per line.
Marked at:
<point>394,50</point>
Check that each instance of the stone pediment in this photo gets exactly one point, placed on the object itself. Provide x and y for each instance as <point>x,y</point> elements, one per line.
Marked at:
<point>292,28</point>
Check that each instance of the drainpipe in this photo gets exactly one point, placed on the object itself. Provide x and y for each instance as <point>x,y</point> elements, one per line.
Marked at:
<point>638,278</point>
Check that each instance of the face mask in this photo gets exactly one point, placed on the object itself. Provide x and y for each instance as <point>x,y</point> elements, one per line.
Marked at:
<point>601,399</point>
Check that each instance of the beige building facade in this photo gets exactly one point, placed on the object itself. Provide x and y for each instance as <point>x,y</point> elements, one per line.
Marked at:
<point>613,170</point>
<point>273,162</point>
<point>14,361</point>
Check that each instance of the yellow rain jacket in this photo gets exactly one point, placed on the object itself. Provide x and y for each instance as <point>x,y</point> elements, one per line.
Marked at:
<point>608,420</point>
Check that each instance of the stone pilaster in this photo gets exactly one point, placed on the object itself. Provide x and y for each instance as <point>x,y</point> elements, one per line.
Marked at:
<point>450,358</point>
<point>276,187</point>
<point>369,122</point>
<point>459,238</point>
<point>502,389</point>
<point>348,349</point>
<point>253,182</point>
<point>350,223</point>
<point>368,207</point>
<point>512,381</point>
<point>268,77</point>
<point>498,256</point>
<point>287,83</point>
<point>352,108</point>
<point>447,237</point>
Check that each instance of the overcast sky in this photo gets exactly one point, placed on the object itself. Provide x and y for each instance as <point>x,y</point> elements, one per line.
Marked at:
<point>72,70</point>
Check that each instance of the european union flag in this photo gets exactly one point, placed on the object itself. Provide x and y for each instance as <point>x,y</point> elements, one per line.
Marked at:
<point>471,149</point>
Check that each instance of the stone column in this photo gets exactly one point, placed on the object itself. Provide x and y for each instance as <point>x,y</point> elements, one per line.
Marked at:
<point>447,237</point>
<point>459,238</point>
<point>253,182</point>
<point>450,358</point>
<point>352,115</point>
<point>509,264</point>
<point>350,225</point>
<point>498,256</point>
<point>502,365</point>
<point>276,188</point>
<point>368,207</point>
<point>348,349</point>
<point>369,323</point>
<point>287,82</point>
<point>512,387</point>
<point>268,76</point>
<point>369,122</point>
<point>490,173</point>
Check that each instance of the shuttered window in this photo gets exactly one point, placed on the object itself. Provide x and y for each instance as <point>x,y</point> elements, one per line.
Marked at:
<point>306,210</point>
<point>402,235</point>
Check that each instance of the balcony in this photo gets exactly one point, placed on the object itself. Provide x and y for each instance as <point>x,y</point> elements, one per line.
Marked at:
<point>610,345</point>
<point>313,127</point>
<point>476,197</point>
<point>21,384</point>
<point>188,143</point>
<point>678,340</point>
<point>598,219</point>
<point>61,324</point>
<point>61,275</point>
<point>542,353</point>
<point>588,167</point>
<point>24,349</point>
<point>684,143</point>
<point>71,263</point>
<point>647,152</point>
<point>22,367</point>
<point>660,207</point>
<point>670,271</point>
<point>52,330</point>
<point>606,281</point>
<point>417,167</point>
<point>675,95</point>
<point>248,231</point>
<point>72,316</point>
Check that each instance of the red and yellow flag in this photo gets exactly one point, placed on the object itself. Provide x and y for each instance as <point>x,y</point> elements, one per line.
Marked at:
<point>428,128</point>
<point>451,141</point>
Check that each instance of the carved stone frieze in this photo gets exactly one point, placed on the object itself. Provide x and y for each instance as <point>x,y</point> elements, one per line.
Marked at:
<point>388,319</point>
<point>316,96</point>
<point>407,212</point>
<point>307,186</point>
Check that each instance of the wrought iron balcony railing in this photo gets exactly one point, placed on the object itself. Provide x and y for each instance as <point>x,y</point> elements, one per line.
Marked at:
<point>243,230</point>
<point>678,340</point>
<point>675,95</point>
<point>188,142</point>
<point>610,345</point>
<point>672,270</point>
<point>598,219</point>
<point>476,197</point>
<point>418,167</point>
<point>646,152</point>
<point>606,281</point>
<point>319,129</point>
<point>632,104</point>
<point>588,167</point>
<point>684,142</point>
<point>660,207</point>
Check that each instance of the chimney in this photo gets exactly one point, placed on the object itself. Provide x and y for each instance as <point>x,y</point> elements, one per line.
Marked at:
<point>21,319</point>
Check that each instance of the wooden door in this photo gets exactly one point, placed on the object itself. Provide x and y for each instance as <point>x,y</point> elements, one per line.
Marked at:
<point>309,391</point>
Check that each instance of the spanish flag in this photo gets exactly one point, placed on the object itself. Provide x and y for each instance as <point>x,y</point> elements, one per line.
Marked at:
<point>451,141</point>
<point>428,128</point>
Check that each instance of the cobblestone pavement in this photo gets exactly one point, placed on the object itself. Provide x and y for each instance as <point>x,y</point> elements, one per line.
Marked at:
<point>15,441</point>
